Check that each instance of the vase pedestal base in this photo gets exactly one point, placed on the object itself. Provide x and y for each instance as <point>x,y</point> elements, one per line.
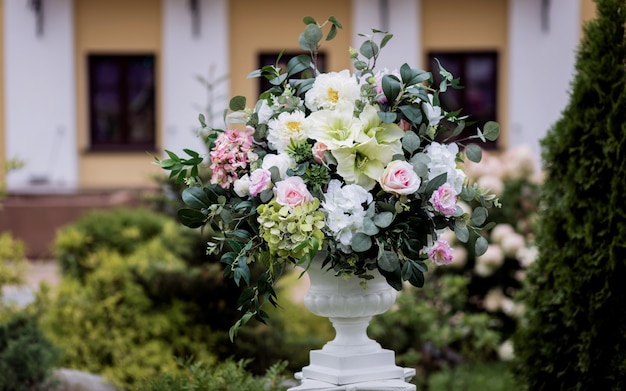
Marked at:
<point>375,385</point>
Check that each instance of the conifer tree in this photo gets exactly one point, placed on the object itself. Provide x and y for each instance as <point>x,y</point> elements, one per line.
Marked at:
<point>574,336</point>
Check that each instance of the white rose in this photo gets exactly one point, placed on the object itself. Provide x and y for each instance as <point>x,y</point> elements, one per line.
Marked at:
<point>264,111</point>
<point>282,161</point>
<point>241,186</point>
<point>443,161</point>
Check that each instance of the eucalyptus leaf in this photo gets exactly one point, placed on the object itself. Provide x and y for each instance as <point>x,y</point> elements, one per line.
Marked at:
<point>474,153</point>
<point>385,39</point>
<point>491,130</point>
<point>387,117</point>
<point>480,247</point>
<point>410,141</point>
<point>361,242</point>
<point>479,216</point>
<point>298,64</point>
<point>312,33</point>
<point>412,112</point>
<point>384,219</point>
<point>388,261</point>
<point>462,233</point>
<point>237,103</point>
<point>369,49</point>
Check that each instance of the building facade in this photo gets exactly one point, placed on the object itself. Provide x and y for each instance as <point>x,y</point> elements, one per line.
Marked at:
<point>92,89</point>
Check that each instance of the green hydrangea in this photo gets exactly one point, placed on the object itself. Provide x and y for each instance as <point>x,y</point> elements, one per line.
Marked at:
<point>288,230</point>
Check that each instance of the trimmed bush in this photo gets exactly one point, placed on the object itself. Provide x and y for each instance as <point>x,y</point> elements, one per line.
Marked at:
<point>110,326</point>
<point>575,332</point>
<point>121,230</point>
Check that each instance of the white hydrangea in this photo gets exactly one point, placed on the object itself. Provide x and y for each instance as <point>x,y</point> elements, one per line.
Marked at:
<point>343,207</point>
<point>284,129</point>
<point>331,88</point>
<point>443,160</point>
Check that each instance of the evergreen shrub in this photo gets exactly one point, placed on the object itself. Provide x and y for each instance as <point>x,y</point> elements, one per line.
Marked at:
<point>225,376</point>
<point>574,335</point>
<point>26,355</point>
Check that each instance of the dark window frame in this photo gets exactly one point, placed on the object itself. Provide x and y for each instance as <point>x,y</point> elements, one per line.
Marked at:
<point>122,87</point>
<point>463,57</point>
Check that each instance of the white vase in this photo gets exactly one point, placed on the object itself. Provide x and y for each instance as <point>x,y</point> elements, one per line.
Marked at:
<point>351,361</point>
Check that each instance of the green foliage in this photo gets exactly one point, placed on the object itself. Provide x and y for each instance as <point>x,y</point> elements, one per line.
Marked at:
<point>432,328</point>
<point>574,336</point>
<point>26,355</point>
<point>12,259</point>
<point>111,326</point>
<point>120,230</point>
<point>225,376</point>
<point>488,376</point>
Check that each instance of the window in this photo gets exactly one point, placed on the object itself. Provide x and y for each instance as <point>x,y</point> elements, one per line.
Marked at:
<point>478,73</point>
<point>270,59</point>
<point>121,102</point>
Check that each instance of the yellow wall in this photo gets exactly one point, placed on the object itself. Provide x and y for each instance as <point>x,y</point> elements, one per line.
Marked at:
<point>587,12</point>
<point>486,29</point>
<point>2,124</point>
<point>114,26</point>
<point>271,26</point>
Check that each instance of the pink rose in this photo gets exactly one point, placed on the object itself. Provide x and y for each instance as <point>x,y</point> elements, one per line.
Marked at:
<point>440,253</point>
<point>400,178</point>
<point>404,125</point>
<point>444,199</point>
<point>318,152</point>
<point>292,192</point>
<point>260,180</point>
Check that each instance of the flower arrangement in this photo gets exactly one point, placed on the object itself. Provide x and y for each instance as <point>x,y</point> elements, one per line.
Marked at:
<point>352,164</point>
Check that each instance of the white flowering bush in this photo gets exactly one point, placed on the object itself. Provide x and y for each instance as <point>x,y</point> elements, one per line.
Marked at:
<point>350,163</point>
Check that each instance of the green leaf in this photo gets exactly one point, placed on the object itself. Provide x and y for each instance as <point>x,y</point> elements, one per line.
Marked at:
<point>387,117</point>
<point>434,184</point>
<point>298,64</point>
<point>309,20</point>
<point>420,162</point>
<point>335,22</point>
<point>361,242</point>
<point>459,128</point>
<point>461,232</point>
<point>332,33</point>
<point>388,261</point>
<point>195,197</point>
<point>474,153</point>
<point>383,219</point>
<point>237,103</point>
<point>313,34</point>
<point>412,113</point>
<point>491,130</point>
<point>305,44</point>
<point>410,142</point>
<point>391,87</point>
<point>479,216</point>
<point>385,39</point>
<point>480,247</point>
<point>369,49</point>
<point>191,218</point>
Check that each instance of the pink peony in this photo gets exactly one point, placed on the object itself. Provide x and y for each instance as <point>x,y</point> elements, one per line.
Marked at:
<point>440,253</point>
<point>292,191</point>
<point>400,178</point>
<point>444,199</point>
<point>260,180</point>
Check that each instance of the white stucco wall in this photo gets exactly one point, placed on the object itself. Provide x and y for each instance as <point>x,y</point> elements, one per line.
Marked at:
<point>40,117</point>
<point>402,21</point>
<point>185,57</point>
<point>541,67</point>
